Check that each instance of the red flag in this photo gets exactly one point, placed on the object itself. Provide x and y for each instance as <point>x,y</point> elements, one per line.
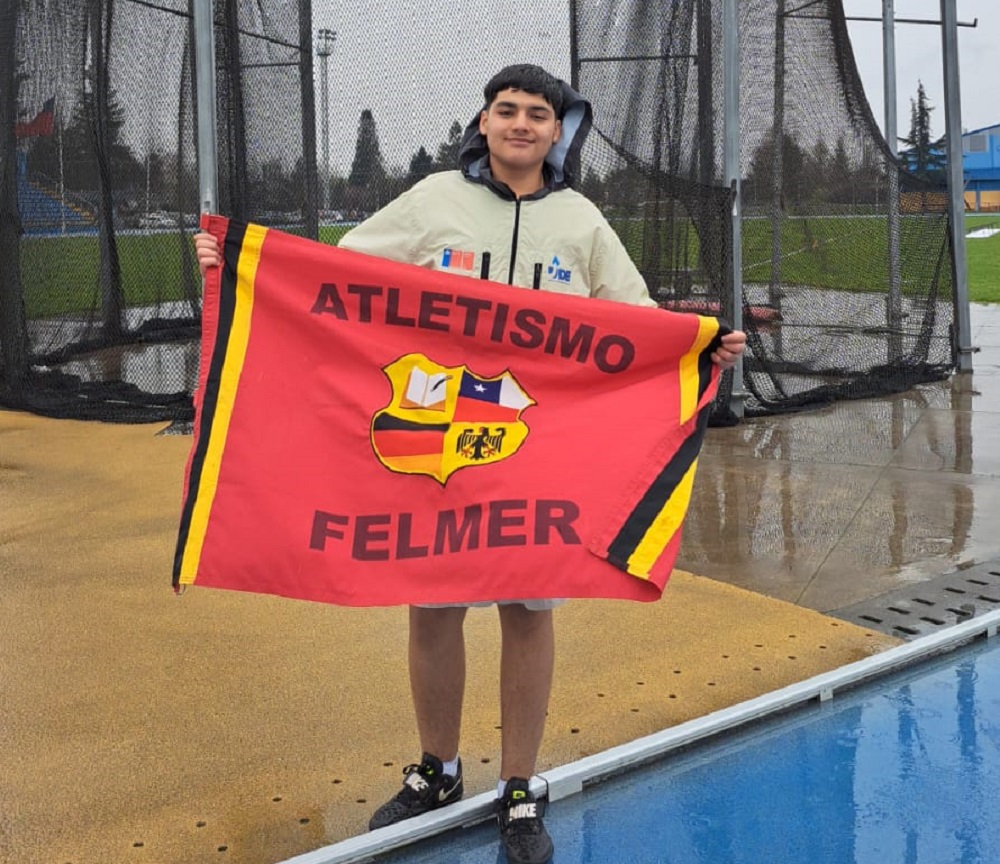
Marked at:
<point>372,433</point>
<point>40,125</point>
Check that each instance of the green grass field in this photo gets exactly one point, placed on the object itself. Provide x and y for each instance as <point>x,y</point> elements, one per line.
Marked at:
<point>60,274</point>
<point>832,252</point>
<point>847,253</point>
<point>982,256</point>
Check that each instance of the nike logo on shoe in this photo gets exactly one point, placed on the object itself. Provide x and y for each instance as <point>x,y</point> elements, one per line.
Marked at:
<point>415,782</point>
<point>445,794</point>
<point>522,811</point>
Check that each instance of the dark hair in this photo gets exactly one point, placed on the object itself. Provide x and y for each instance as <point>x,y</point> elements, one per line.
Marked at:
<point>530,79</point>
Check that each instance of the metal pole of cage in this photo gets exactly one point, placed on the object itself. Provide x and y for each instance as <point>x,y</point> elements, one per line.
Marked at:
<point>208,175</point>
<point>956,182</point>
<point>894,308</point>
<point>731,98</point>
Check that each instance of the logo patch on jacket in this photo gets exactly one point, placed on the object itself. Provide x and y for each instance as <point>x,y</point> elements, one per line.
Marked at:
<point>557,273</point>
<point>445,418</point>
<point>457,259</point>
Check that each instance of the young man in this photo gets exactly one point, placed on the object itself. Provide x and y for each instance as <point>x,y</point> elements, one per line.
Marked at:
<point>507,215</point>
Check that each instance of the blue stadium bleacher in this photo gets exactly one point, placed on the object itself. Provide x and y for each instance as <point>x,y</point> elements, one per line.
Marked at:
<point>43,211</point>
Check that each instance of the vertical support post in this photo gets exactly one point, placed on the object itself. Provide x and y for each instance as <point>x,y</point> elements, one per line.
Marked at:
<point>706,119</point>
<point>731,98</point>
<point>574,49</point>
<point>777,160</point>
<point>956,186</point>
<point>894,305</point>
<point>204,42</point>
<point>62,176</point>
<point>14,342</point>
<point>324,89</point>
<point>325,40</point>
<point>307,87</point>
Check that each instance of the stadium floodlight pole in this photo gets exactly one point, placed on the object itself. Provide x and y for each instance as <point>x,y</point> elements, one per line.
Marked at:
<point>894,305</point>
<point>324,48</point>
<point>731,101</point>
<point>204,45</point>
<point>956,184</point>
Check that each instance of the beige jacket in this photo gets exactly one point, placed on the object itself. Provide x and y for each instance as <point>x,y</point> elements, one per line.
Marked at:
<point>558,242</point>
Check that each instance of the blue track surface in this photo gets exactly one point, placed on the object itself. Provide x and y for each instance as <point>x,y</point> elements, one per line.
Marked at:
<point>904,770</point>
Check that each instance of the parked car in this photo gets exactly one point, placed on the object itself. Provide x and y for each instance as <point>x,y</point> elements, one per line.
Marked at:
<point>158,219</point>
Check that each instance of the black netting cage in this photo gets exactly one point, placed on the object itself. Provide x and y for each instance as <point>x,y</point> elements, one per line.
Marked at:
<point>328,111</point>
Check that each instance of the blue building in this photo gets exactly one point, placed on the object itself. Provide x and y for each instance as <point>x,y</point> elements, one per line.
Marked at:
<point>981,168</point>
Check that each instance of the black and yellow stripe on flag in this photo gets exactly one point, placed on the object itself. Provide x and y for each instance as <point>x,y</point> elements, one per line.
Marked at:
<point>230,294</point>
<point>293,485</point>
<point>657,516</point>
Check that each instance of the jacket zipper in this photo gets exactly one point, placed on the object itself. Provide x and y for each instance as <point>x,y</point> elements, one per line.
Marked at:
<point>513,241</point>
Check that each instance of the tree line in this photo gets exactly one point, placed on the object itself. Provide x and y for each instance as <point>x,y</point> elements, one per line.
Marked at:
<point>818,175</point>
<point>370,184</point>
<point>804,175</point>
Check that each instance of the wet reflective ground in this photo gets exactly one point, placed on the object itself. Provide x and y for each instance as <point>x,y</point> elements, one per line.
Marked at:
<point>904,770</point>
<point>831,507</point>
<point>823,508</point>
<point>140,727</point>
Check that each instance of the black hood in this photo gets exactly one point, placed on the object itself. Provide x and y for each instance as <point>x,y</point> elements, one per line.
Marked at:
<point>562,165</point>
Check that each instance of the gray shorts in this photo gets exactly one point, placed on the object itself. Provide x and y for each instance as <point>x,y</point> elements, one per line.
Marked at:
<point>530,605</point>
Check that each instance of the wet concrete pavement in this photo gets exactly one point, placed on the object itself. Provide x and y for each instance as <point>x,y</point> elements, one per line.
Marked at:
<point>138,727</point>
<point>827,508</point>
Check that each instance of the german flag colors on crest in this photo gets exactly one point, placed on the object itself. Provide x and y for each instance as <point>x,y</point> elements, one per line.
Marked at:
<point>445,418</point>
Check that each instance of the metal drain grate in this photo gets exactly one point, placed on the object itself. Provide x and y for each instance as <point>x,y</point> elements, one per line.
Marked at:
<point>930,606</point>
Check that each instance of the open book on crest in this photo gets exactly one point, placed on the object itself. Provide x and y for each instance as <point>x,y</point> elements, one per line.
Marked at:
<point>425,390</point>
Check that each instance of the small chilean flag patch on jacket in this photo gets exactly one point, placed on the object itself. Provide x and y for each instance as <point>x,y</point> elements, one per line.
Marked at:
<point>456,259</point>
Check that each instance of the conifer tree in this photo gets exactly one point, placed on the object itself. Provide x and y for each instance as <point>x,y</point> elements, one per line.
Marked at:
<point>447,154</point>
<point>421,164</point>
<point>923,157</point>
<point>367,182</point>
<point>368,167</point>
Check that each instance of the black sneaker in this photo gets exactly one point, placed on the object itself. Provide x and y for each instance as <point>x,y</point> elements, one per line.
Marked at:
<point>520,816</point>
<point>425,787</point>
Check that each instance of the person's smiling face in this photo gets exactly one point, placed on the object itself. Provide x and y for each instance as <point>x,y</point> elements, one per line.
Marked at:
<point>520,129</point>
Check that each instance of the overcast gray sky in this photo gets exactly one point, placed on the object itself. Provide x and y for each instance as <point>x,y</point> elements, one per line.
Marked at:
<point>460,44</point>
<point>918,58</point>
<point>435,56</point>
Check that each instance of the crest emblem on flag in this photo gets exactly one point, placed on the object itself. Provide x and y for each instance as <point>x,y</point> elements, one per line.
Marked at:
<point>444,418</point>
